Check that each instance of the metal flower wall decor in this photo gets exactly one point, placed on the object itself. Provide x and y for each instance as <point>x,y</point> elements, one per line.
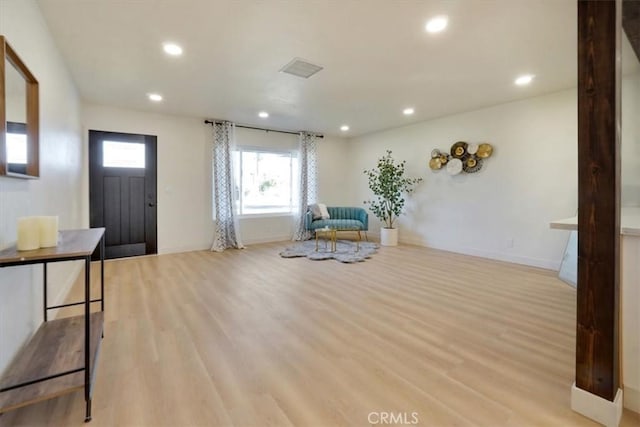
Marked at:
<point>463,157</point>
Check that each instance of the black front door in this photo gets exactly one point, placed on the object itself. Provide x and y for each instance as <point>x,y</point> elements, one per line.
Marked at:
<point>122,191</point>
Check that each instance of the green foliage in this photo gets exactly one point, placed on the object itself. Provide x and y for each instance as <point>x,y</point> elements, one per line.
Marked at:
<point>265,185</point>
<point>388,183</point>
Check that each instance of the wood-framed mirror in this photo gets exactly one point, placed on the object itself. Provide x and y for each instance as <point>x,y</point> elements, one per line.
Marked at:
<point>19,116</point>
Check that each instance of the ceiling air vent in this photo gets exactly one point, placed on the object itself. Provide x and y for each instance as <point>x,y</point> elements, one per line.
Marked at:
<point>301,68</point>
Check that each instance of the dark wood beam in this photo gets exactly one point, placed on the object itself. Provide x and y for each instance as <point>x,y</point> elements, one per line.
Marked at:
<point>599,34</point>
<point>631,23</point>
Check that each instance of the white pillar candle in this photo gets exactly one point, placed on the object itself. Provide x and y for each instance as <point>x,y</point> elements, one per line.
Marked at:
<point>48,231</point>
<point>28,233</point>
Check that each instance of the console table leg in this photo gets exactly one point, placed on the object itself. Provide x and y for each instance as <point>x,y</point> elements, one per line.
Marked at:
<point>87,336</point>
<point>102,249</point>
<point>87,417</point>
<point>44,286</point>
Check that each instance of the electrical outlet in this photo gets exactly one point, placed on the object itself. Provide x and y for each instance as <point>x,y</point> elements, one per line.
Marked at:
<point>510,242</point>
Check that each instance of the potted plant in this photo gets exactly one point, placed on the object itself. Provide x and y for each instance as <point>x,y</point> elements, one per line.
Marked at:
<point>388,183</point>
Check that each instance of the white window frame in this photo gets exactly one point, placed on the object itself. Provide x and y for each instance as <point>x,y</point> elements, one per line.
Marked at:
<point>293,154</point>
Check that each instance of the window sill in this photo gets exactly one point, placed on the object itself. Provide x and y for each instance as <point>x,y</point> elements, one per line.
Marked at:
<point>265,215</point>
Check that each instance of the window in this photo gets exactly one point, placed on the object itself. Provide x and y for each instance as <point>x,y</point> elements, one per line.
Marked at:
<point>16,148</point>
<point>265,181</point>
<point>123,155</point>
<point>17,143</point>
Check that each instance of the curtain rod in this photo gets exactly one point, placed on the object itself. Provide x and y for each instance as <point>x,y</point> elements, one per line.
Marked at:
<point>211,122</point>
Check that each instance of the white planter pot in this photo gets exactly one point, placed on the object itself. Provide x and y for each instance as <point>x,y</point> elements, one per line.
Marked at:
<point>389,236</point>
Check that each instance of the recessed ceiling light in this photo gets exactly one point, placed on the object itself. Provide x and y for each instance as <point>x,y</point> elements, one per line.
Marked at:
<point>344,128</point>
<point>436,24</point>
<point>263,114</point>
<point>172,49</point>
<point>155,97</point>
<point>524,80</point>
<point>408,111</point>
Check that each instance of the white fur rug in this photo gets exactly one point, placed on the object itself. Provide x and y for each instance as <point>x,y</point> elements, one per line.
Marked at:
<point>345,251</point>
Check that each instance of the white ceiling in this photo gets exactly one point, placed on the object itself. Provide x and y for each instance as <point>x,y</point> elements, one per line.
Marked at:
<point>377,58</point>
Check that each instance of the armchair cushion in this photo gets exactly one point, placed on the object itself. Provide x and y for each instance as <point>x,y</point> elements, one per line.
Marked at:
<point>319,211</point>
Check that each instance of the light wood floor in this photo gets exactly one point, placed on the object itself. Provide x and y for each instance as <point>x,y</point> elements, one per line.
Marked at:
<point>246,338</point>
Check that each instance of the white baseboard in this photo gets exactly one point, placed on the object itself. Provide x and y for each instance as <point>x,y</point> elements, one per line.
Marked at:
<point>632,399</point>
<point>206,247</point>
<point>270,239</point>
<point>179,249</point>
<point>595,407</point>
<point>547,264</point>
<point>516,259</point>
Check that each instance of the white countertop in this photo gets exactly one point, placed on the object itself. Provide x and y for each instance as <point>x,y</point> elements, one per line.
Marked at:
<point>629,222</point>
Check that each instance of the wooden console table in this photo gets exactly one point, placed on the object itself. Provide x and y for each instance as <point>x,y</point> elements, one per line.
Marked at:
<point>61,356</point>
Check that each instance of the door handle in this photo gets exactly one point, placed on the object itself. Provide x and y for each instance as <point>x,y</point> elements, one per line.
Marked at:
<point>151,205</point>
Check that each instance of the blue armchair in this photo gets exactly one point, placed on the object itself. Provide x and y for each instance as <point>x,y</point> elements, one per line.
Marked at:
<point>341,218</point>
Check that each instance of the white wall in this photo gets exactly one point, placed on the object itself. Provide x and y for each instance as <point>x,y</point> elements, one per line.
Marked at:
<point>630,109</point>
<point>530,180</point>
<point>630,164</point>
<point>184,171</point>
<point>334,167</point>
<point>184,174</point>
<point>57,192</point>
<point>16,107</point>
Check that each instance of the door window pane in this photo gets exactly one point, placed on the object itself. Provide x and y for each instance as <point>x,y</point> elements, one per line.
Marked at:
<point>123,155</point>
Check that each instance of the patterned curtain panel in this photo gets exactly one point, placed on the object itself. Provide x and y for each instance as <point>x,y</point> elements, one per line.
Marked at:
<point>226,221</point>
<point>307,172</point>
